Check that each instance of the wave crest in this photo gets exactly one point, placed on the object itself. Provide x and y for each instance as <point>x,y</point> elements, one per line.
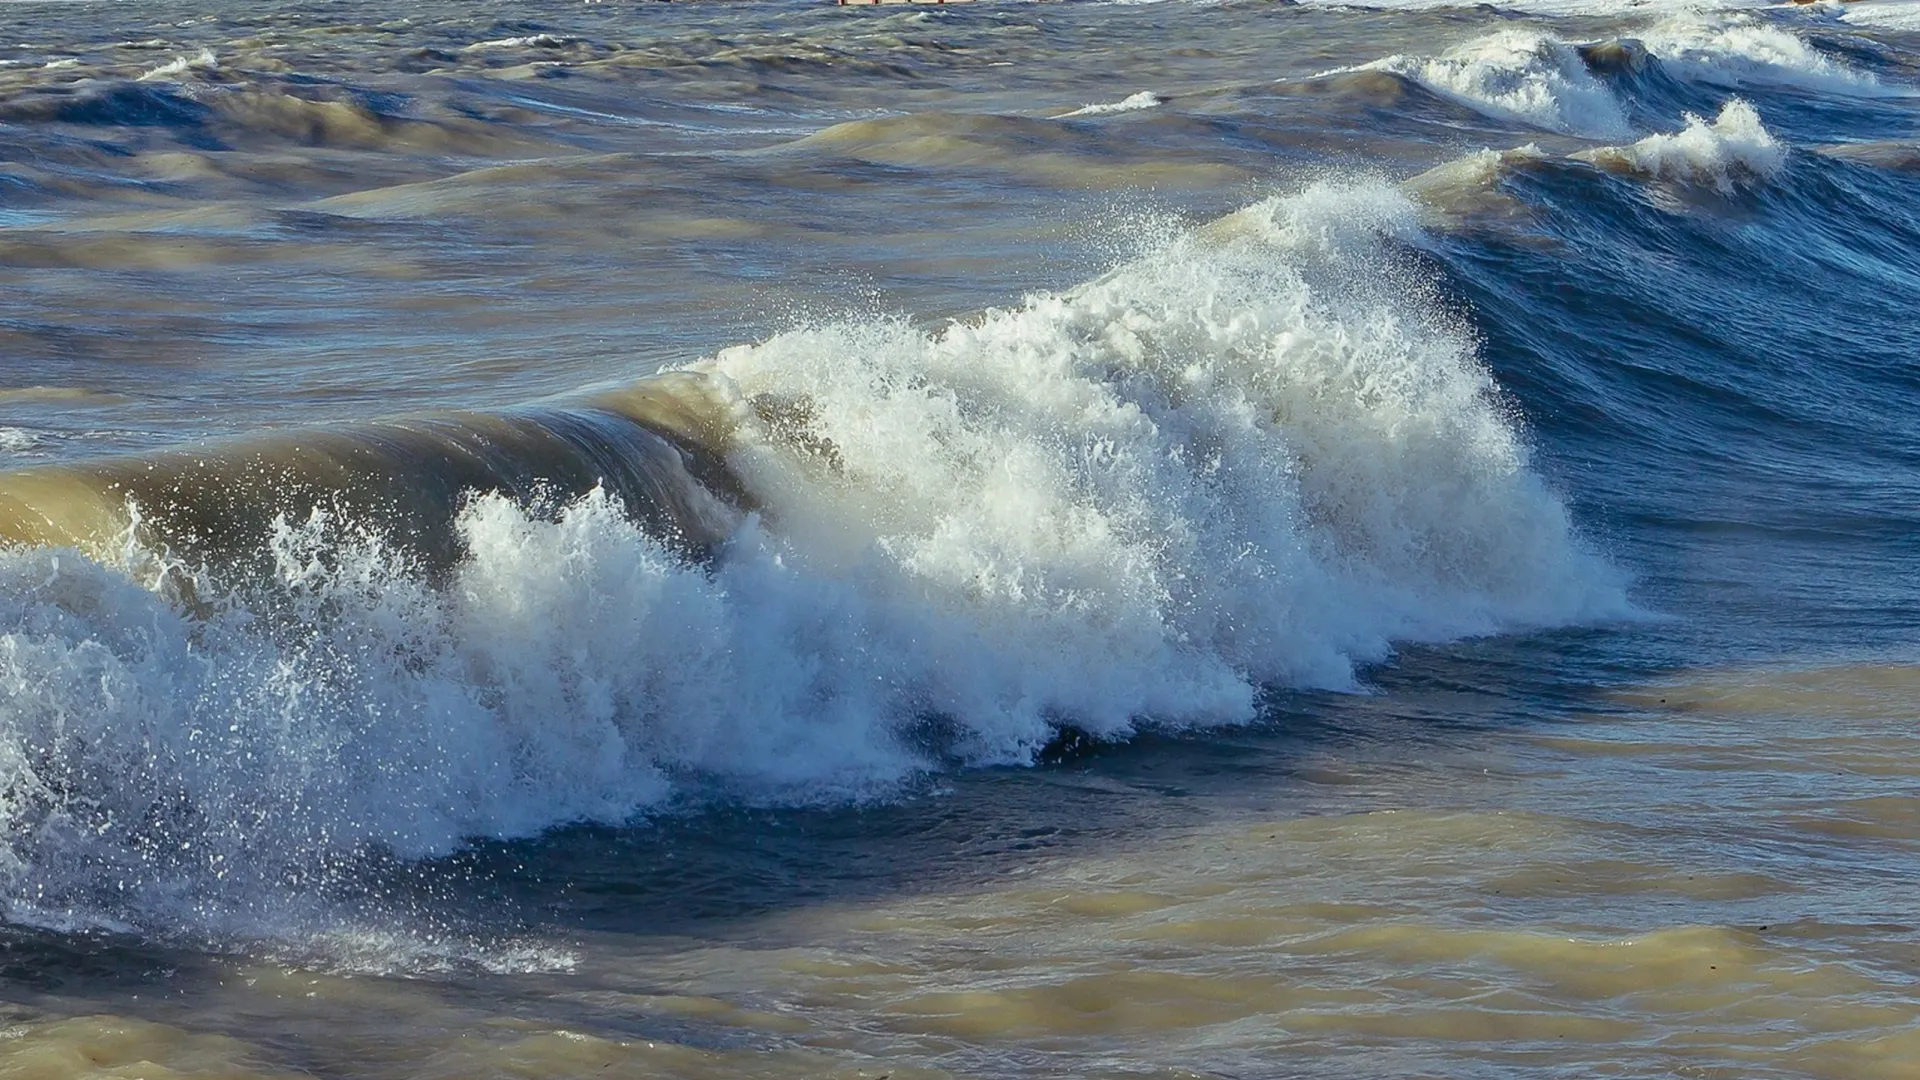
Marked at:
<point>1522,75</point>
<point>1258,456</point>
<point>1740,50</point>
<point>1732,150</point>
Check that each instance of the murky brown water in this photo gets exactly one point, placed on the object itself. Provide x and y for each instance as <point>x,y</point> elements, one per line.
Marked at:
<point>1684,882</point>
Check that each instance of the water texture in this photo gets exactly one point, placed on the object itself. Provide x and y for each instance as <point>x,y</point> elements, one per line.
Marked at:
<point>1009,539</point>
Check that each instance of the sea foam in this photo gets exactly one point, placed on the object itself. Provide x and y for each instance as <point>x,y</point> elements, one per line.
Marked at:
<point>1544,82</point>
<point>1259,456</point>
<point>1739,50</point>
<point>1522,75</point>
<point>1145,99</point>
<point>1731,150</point>
<point>204,60</point>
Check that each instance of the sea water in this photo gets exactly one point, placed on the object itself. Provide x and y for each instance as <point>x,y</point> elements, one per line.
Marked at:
<point>1011,539</point>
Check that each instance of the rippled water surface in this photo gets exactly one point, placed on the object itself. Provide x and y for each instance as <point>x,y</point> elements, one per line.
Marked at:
<point>1006,539</point>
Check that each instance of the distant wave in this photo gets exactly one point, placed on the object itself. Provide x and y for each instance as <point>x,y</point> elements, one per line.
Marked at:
<point>1523,75</point>
<point>1740,50</point>
<point>1731,150</point>
<point>204,60</point>
<point>1022,145</point>
<point>1892,16</point>
<point>19,441</point>
<point>1534,78</point>
<point>531,41</point>
<point>1145,99</point>
<point>246,114</point>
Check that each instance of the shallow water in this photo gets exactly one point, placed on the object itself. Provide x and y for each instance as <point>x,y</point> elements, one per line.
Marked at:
<point>1014,539</point>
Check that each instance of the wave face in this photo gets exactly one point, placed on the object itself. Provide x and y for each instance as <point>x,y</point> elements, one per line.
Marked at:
<point>1615,87</point>
<point>1733,148</point>
<point>1718,340</point>
<point>1522,75</point>
<point>1259,456</point>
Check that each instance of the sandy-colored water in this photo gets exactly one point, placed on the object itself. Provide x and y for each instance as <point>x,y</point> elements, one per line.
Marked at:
<point>1682,881</point>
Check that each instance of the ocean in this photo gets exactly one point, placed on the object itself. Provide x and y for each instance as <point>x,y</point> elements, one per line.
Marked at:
<point>1194,539</point>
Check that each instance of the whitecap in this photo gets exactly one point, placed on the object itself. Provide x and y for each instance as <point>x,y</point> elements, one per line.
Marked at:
<point>1739,50</point>
<point>181,65</point>
<point>1518,74</point>
<point>531,41</point>
<point>1734,149</point>
<point>1145,99</point>
<point>1888,14</point>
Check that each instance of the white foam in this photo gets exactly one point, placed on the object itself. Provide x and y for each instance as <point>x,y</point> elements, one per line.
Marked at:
<point>1535,78</point>
<point>1255,456</point>
<point>181,65</point>
<point>534,41</point>
<point>1522,75</point>
<point>1733,150</point>
<point>1545,7</point>
<point>1738,50</point>
<point>15,440</point>
<point>1885,14</point>
<point>1145,99</point>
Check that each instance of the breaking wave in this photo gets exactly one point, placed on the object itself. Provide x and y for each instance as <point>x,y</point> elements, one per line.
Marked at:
<point>1259,457</point>
<point>1522,75</point>
<point>1145,99</point>
<point>1732,149</point>
<point>1533,78</point>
